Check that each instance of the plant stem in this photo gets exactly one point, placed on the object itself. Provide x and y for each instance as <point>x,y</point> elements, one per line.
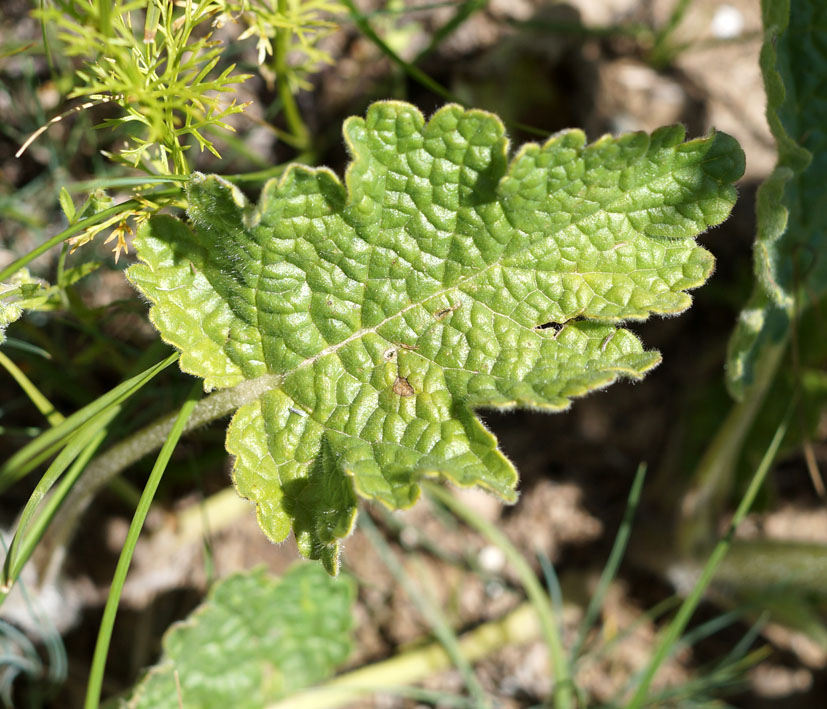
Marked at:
<point>73,229</point>
<point>712,480</point>
<point>86,186</point>
<point>415,72</point>
<point>123,454</point>
<point>463,13</point>
<point>44,406</point>
<point>562,692</point>
<point>55,438</point>
<point>757,564</point>
<point>288,101</point>
<point>661,52</point>
<point>517,628</point>
<point>268,173</point>
<point>612,564</point>
<point>78,227</point>
<point>40,510</point>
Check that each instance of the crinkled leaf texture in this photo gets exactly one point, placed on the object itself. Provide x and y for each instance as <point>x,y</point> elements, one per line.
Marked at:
<point>256,639</point>
<point>791,245</point>
<point>386,310</point>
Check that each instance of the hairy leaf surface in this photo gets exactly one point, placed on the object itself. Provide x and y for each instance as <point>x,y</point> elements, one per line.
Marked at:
<point>256,639</point>
<point>386,310</point>
<point>791,244</point>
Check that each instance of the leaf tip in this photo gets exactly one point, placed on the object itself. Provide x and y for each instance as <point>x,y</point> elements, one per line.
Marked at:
<point>725,159</point>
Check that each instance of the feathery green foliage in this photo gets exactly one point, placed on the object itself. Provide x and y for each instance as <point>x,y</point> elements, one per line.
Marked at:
<point>158,71</point>
<point>382,312</point>
<point>307,21</point>
<point>159,62</point>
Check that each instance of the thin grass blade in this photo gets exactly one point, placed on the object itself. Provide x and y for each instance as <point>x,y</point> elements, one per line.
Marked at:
<point>670,638</point>
<point>80,450</point>
<point>93,688</point>
<point>562,693</point>
<point>43,405</point>
<point>612,565</point>
<point>20,463</point>
<point>428,610</point>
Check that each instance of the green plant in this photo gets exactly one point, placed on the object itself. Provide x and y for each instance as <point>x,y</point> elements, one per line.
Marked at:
<point>164,78</point>
<point>356,331</point>
<point>353,329</point>
<point>282,634</point>
<point>361,328</point>
<point>160,66</point>
<point>537,617</point>
<point>776,352</point>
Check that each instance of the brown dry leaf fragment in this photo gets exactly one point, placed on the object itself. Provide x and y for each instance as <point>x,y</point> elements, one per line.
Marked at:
<point>403,387</point>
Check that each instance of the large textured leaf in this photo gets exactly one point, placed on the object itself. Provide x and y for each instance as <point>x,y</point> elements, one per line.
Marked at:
<point>255,640</point>
<point>377,315</point>
<point>791,244</point>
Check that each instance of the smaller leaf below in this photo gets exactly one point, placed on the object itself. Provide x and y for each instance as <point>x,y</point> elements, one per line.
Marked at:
<point>256,639</point>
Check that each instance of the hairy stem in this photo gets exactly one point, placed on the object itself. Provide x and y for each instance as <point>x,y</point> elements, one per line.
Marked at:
<point>130,450</point>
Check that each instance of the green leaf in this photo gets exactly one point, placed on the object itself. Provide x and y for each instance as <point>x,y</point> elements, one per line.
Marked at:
<point>381,313</point>
<point>21,292</point>
<point>66,204</point>
<point>256,639</point>
<point>76,273</point>
<point>791,245</point>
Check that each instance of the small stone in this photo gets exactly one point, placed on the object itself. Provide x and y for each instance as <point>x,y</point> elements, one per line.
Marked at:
<point>727,22</point>
<point>491,559</point>
<point>409,537</point>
